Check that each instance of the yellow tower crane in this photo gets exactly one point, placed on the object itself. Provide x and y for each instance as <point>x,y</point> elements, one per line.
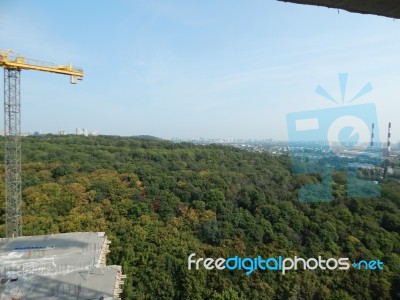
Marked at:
<point>13,64</point>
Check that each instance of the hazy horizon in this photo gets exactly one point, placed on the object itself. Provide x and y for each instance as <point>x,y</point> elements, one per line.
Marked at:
<point>213,70</point>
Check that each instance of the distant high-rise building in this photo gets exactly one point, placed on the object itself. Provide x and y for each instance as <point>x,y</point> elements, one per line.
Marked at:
<point>372,135</point>
<point>388,140</point>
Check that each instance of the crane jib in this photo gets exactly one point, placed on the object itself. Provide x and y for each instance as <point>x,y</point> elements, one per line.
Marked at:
<point>21,63</point>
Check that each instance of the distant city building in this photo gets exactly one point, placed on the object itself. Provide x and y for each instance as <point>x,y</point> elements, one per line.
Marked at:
<point>85,132</point>
<point>82,131</point>
<point>62,132</point>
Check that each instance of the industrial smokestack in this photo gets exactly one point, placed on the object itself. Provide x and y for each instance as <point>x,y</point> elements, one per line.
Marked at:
<point>372,135</point>
<point>388,141</point>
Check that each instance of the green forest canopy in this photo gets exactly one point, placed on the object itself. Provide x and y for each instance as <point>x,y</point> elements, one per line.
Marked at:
<point>159,201</point>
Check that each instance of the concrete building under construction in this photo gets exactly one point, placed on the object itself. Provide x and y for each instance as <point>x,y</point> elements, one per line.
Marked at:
<point>58,266</point>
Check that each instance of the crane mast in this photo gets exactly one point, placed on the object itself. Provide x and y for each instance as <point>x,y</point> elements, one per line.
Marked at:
<point>13,64</point>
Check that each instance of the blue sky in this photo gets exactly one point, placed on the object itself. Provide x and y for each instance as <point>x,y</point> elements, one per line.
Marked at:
<point>210,69</point>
